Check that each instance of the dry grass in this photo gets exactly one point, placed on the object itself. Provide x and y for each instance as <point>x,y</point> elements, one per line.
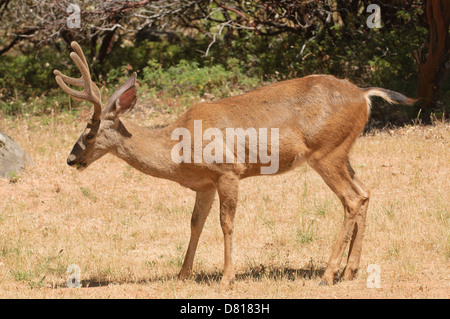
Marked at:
<point>128,232</point>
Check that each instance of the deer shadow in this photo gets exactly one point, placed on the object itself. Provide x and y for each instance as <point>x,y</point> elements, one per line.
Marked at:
<point>254,273</point>
<point>257,273</point>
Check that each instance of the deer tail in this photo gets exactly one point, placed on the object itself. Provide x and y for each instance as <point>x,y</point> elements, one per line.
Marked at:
<point>390,96</point>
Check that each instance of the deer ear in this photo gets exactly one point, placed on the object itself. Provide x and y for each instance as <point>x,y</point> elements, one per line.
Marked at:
<point>127,100</point>
<point>124,98</point>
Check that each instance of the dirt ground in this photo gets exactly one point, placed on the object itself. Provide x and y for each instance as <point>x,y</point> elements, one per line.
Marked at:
<point>127,233</point>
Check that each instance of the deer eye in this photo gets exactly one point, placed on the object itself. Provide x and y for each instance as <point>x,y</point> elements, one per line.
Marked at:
<point>90,137</point>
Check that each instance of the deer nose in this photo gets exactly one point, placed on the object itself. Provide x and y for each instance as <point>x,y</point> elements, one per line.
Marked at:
<point>71,159</point>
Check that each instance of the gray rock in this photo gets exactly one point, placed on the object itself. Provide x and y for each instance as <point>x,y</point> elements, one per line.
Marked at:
<point>13,159</point>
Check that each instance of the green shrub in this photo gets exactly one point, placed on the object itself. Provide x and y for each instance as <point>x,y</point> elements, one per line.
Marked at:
<point>188,79</point>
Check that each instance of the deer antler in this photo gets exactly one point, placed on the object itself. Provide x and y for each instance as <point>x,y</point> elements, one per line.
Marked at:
<point>90,91</point>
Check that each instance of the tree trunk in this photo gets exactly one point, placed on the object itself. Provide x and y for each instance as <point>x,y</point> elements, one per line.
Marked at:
<point>434,70</point>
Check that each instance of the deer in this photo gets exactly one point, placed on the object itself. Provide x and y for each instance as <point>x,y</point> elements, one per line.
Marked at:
<point>319,118</point>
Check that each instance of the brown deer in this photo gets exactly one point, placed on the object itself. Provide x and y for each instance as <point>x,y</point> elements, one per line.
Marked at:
<point>318,118</point>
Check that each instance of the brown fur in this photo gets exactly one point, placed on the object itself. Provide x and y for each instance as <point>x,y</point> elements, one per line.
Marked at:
<point>319,118</point>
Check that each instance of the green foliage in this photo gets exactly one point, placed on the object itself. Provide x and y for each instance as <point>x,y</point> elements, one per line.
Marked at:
<point>306,233</point>
<point>28,74</point>
<point>239,59</point>
<point>187,78</point>
<point>52,102</point>
<point>137,56</point>
<point>27,83</point>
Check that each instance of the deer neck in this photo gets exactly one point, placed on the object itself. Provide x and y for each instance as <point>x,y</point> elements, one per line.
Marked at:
<point>147,150</point>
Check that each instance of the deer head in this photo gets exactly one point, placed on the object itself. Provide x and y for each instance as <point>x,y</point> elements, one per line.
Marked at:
<point>100,134</point>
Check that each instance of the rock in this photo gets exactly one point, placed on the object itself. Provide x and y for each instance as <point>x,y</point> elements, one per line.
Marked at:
<point>13,159</point>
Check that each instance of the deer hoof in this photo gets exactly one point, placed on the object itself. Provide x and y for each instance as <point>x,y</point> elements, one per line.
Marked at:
<point>226,284</point>
<point>350,274</point>
<point>183,275</point>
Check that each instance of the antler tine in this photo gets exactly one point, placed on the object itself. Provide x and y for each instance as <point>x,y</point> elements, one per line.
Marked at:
<point>90,91</point>
<point>77,94</point>
<point>76,47</point>
<point>68,79</point>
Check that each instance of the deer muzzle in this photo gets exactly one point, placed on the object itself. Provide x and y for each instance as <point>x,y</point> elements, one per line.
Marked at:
<point>71,160</point>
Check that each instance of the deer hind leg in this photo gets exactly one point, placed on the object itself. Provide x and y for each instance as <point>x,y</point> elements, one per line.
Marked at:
<point>203,203</point>
<point>354,254</point>
<point>337,177</point>
<point>227,187</point>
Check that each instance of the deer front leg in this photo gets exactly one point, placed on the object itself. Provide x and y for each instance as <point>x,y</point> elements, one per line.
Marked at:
<point>227,188</point>
<point>202,207</point>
